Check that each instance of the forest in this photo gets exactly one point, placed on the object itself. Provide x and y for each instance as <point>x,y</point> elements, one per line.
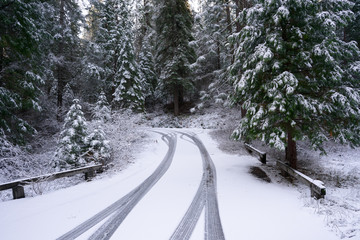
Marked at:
<point>290,67</point>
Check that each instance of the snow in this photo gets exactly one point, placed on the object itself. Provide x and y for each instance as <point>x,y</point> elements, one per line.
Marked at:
<point>249,208</point>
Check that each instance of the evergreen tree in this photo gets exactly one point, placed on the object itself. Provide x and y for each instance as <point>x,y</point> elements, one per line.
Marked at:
<point>102,109</point>
<point>20,65</point>
<point>174,54</point>
<point>122,81</point>
<point>148,72</point>
<point>214,56</point>
<point>72,142</point>
<point>352,31</point>
<point>295,76</point>
<point>65,57</point>
<point>99,150</point>
<point>128,87</point>
<point>144,42</point>
<point>93,73</point>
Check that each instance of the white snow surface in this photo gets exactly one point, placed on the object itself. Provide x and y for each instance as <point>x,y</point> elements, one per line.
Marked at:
<point>249,208</point>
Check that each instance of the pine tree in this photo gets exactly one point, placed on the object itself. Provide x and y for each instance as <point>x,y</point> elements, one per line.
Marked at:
<point>295,77</point>
<point>65,46</point>
<point>148,72</point>
<point>214,55</point>
<point>72,141</point>
<point>121,73</point>
<point>144,48</point>
<point>94,72</point>
<point>20,66</point>
<point>98,150</point>
<point>352,31</point>
<point>128,87</point>
<point>102,110</point>
<point>174,53</point>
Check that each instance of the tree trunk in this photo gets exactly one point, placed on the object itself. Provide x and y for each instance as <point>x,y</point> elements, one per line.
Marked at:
<point>176,102</point>
<point>60,68</point>
<point>237,13</point>
<point>291,154</point>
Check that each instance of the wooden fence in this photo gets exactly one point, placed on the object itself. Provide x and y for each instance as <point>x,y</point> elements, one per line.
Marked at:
<point>17,185</point>
<point>317,187</point>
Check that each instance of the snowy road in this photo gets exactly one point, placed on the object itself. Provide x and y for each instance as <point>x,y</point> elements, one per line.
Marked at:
<point>121,208</point>
<point>180,187</point>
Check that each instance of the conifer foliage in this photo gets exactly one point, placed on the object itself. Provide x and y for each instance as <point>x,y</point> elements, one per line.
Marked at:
<point>121,70</point>
<point>102,110</point>
<point>174,54</point>
<point>98,148</point>
<point>72,142</point>
<point>20,72</point>
<point>295,76</point>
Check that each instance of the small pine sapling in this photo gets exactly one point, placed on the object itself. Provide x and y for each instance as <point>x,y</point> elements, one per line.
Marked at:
<point>102,109</point>
<point>99,150</point>
<point>72,139</point>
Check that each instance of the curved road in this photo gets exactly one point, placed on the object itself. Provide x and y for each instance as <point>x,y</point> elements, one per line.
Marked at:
<point>123,206</point>
<point>205,198</point>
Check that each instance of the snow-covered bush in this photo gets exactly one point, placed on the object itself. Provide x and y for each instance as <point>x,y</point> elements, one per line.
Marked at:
<point>102,109</point>
<point>72,139</point>
<point>98,148</point>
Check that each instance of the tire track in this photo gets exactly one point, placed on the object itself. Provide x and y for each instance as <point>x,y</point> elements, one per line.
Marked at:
<point>206,196</point>
<point>123,206</point>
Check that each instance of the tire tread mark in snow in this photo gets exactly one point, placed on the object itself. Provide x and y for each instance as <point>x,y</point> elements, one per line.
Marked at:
<point>208,195</point>
<point>192,215</point>
<point>109,227</point>
<point>123,206</point>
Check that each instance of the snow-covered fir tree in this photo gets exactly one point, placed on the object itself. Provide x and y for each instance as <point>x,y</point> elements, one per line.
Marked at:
<point>102,109</point>
<point>98,148</point>
<point>121,73</point>
<point>127,83</point>
<point>212,29</point>
<point>148,72</point>
<point>295,76</point>
<point>72,141</point>
<point>352,31</point>
<point>174,53</point>
<point>144,45</point>
<point>65,46</point>
<point>21,73</point>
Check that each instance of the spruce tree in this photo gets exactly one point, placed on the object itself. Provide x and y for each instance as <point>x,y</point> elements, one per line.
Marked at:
<point>144,46</point>
<point>174,53</point>
<point>128,87</point>
<point>121,73</point>
<point>98,148</point>
<point>352,31</point>
<point>72,141</point>
<point>65,46</point>
<point>295,77</point>
<point>148,73</point>
<point>21,74</point>
<point>102,110</point>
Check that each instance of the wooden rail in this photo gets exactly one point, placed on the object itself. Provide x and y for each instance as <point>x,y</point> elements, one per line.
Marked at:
<point>317,187</point>
<point>17,185</point>
<point>251,149</point>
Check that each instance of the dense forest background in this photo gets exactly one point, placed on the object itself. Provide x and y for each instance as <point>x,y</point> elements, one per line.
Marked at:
<point>291,65</point>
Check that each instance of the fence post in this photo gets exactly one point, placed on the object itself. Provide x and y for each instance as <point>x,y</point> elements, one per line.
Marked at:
<point>18,192</point>
<point>90,174</point>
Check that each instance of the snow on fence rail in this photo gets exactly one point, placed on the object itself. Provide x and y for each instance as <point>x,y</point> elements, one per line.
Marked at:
<point>317,187</point>
<point>262,155</point>
<point>17,185</point>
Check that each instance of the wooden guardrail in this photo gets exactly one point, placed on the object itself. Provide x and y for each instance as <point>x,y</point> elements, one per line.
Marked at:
<point>17,185</point>
<point>251,149</point>
<point>317,187</point>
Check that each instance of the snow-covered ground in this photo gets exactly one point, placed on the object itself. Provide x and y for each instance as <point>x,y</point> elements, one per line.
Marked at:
<point>249,208</point>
